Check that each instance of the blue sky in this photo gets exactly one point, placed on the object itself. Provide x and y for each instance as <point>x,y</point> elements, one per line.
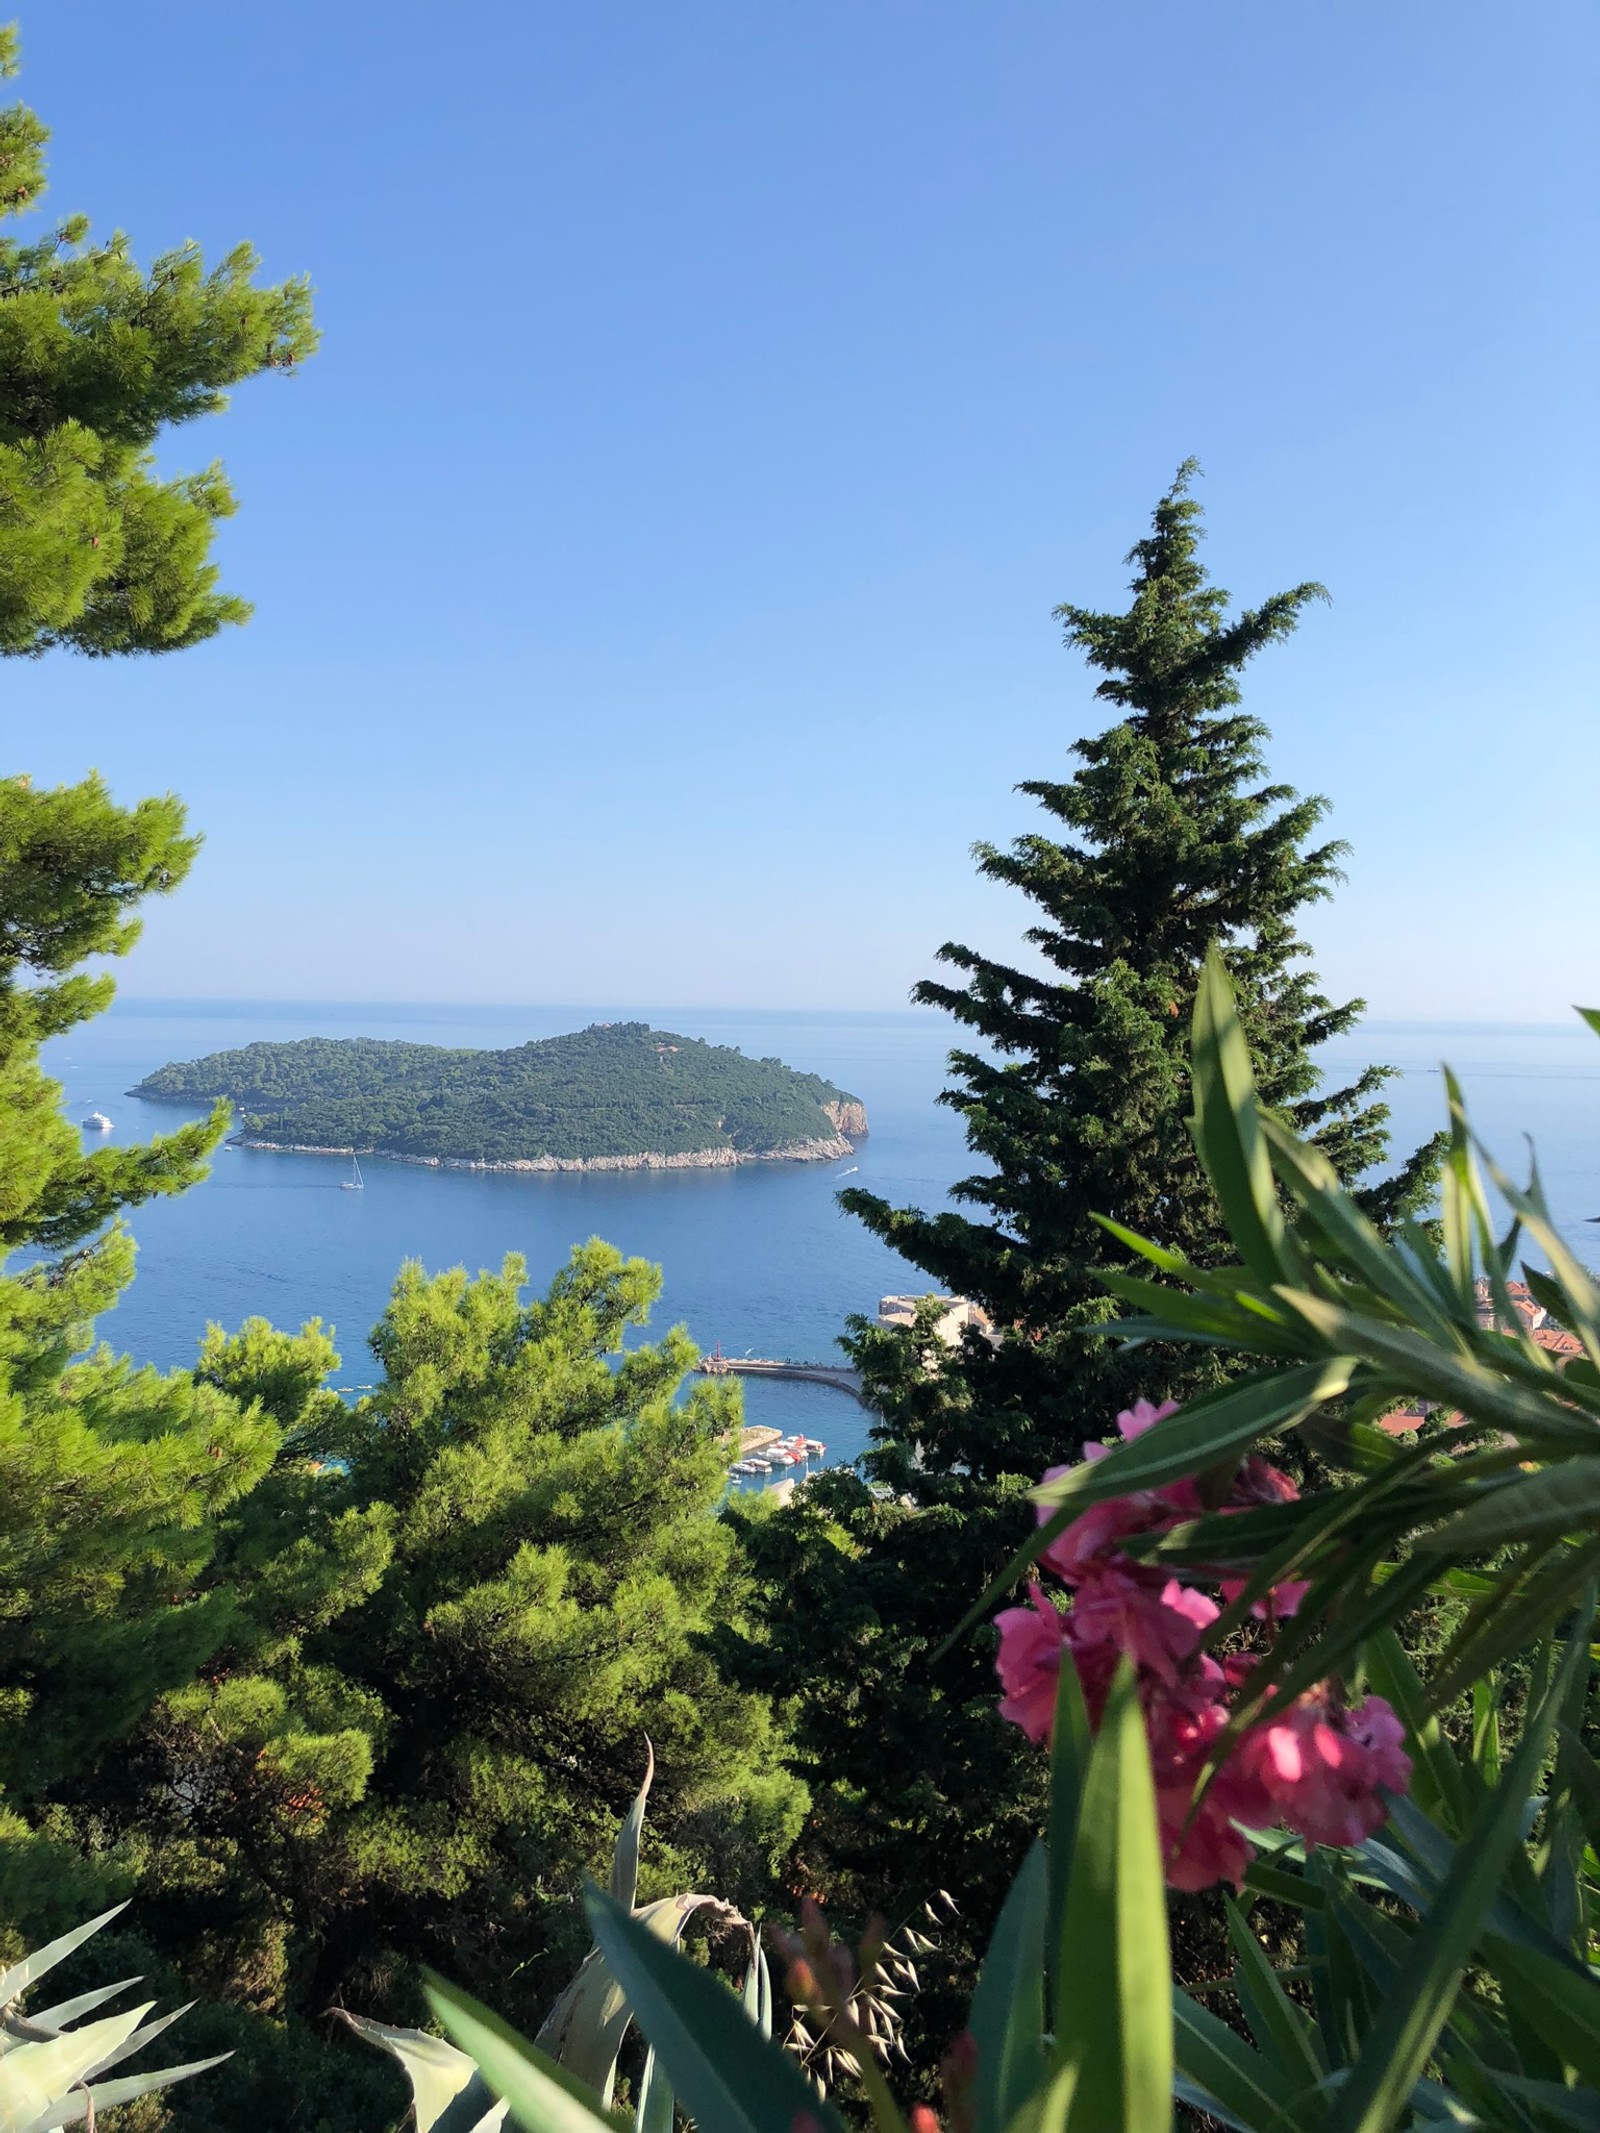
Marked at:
<point>654,571</point>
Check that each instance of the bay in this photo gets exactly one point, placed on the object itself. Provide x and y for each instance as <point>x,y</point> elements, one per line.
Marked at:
<point>759,1258</point>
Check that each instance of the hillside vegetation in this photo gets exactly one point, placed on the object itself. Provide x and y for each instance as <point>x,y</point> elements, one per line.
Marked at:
<point>614,1091</point>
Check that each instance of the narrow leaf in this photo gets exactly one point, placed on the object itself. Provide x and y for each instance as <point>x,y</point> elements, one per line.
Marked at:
<point>1114,2000</point>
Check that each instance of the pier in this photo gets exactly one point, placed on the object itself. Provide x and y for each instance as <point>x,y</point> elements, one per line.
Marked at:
<point>719,1365</point>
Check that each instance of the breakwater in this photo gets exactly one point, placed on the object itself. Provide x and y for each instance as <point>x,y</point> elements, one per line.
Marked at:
<point>768,1366</point>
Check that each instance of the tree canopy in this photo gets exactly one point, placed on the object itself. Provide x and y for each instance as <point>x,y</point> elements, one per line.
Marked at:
<point>98,357</point>
<point>614,1090</point>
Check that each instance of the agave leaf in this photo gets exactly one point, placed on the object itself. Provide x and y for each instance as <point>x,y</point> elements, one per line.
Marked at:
<point>34,2077</point>
<point>544,2096</point>
<point>584,2030</point>
<point>441,2077</point>
<point>65,2011</point>
<point>21,1975</point>
<point>653,2112</point>
<point>625,1862</point>
<point>106,2095</point>
<point>757,1993</point>
<point>728,2077</point>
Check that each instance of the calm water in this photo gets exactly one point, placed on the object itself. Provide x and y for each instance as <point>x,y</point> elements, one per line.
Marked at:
<point>758,1258</point>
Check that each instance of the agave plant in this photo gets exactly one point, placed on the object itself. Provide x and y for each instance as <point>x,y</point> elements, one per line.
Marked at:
<point>585,2030</point>
<point>53,2063</point>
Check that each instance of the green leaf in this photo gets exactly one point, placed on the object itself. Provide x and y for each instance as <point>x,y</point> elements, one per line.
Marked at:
<point>1206,1431</point>
<point>584,2030</point>
<point>1248,2091</point>
<point>1281,2031</point>
<point>625,1860</point>
<point>1522,1606</point>
<point>1438,1784</point>
<point>1069,1762</point>
<point>653,2112</point>
<point>543,2097</point>
<point>1560,2007</point>
<point>1227,1129</point>
<point>1556,1501</point>
<point>727,2077</point>
<point>1114,1999</point>
<point>1007,2013</point>
<point>1395,2051</point>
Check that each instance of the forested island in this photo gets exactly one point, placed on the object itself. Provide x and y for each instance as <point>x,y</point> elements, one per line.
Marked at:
<point>615,1096</point>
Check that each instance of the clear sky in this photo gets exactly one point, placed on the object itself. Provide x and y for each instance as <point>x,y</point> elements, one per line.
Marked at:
<point>654,571</point>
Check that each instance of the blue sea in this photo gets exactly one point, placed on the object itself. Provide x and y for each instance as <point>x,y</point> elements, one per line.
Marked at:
<point>758,1258</point>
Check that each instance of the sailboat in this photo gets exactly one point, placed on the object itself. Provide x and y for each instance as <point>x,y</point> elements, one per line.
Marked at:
<point>356,1182</point>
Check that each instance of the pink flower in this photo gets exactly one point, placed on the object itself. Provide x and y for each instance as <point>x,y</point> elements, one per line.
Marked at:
<point>1322,1766</point>
<point>1202,1851</point>
<point>1029,1663</point>
<point>1159,1626</point>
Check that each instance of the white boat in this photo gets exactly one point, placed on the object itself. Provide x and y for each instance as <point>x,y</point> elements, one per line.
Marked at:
<point>814,1448</point>
<point>355,1183</point>
<point>97,1122</point>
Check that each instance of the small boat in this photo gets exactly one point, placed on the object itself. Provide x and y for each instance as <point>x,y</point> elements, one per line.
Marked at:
<point>815,1448</point>
<point>850,1173</point>
<point>97,1122</point>
<point>356,1182</point>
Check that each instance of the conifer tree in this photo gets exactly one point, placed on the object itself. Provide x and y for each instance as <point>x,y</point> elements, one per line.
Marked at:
<point>1169,836</point>
<point>97,358</point>
<point>455,1614</point>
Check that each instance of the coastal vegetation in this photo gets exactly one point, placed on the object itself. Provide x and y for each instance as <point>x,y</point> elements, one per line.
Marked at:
<point>1219,1631</point>
<point>615,1092</point>
<point>1076,1097</point>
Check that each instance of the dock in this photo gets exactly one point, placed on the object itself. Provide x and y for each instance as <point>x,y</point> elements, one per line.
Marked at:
<point>719,1365</point>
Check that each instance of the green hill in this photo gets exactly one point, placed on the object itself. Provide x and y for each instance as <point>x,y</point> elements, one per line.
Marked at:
<point>617,1093</point>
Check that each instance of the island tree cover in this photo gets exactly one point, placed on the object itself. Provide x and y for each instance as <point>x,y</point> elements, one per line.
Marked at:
<point>1168,838</point>
<point>612,1091</point>
<point>97,358</point>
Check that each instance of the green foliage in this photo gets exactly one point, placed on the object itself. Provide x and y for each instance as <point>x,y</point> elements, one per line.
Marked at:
<point>1490,1502</point>
<point>616,1089</point>
<point>1102,2062</point>
<point>1076,1098</point>
<point>446,1615</point>
<point>1074,1093</point>
<point>97,358</point>
<point>584,2032</point>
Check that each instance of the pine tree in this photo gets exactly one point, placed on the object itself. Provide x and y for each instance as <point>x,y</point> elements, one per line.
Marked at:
<point>455,1618</point>
<point>1074,1096</point>
<point>97,358</point>
<point>1078,1101</point>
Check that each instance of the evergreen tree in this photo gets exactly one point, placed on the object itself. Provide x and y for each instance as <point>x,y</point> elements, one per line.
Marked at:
<point>1168,837</point>
<point>456,1613</point>
<point>97,358</point>
<point>1078,1101</point>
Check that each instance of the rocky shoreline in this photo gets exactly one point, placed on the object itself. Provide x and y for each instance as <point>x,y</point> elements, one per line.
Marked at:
<point>818,1151</point>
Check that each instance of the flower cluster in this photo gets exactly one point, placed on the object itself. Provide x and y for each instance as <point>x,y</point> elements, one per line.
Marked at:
<point>1320,1766</point>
